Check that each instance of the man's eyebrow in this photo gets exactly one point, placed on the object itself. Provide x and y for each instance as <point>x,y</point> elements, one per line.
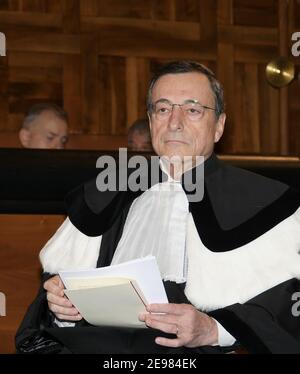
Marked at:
<point>163,100</point>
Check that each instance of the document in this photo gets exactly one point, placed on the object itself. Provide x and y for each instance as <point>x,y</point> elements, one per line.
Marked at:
<point>115,295</point>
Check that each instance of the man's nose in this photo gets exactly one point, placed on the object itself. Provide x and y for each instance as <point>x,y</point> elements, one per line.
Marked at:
<point>176,119</point>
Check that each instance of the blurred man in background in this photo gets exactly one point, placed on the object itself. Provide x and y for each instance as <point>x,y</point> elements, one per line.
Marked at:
<point>45,126</point>
<point>139,136</point>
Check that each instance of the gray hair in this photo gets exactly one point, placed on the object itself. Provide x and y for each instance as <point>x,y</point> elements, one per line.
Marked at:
<point>183,66</point>
<point>38,109</point>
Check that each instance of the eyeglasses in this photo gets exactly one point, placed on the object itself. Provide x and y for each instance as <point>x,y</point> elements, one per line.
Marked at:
<point>191,109</point>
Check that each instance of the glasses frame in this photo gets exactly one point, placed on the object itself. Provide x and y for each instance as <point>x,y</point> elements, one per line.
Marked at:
<point>189,101</point>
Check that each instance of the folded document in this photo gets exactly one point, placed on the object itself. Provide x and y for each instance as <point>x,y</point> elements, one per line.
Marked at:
<point>115,295</point>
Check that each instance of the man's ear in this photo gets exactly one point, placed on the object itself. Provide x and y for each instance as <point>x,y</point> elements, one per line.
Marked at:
<point>24,136</point>
<point>220,127</point>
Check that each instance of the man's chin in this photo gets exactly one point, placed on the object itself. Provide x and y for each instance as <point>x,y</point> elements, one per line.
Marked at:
<point>173,158</point>
<point>177,154</point>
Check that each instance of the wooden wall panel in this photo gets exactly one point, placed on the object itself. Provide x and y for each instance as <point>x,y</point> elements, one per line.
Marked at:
<point>269,114</point>
<point>72,90</point>
<point>4,108</point>
<point>95,57</point>
<point>225,72</point>
<point>255,13</point>
<point>112,91</point>
<point>208,20</point>
<point>144,76</point>
<point>132,89</point>
<point>293,89</point>
<point>246,109</point>
<point>297,14</point>
<point>21,239</point>
<point>90,88</point>
<point>294,111</point>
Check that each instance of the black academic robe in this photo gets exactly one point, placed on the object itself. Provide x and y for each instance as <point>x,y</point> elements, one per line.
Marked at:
<point>237,207</point>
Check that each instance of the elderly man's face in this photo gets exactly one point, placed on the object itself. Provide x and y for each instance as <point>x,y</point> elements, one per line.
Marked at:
<point>47,131</point>
<point>178,134</point>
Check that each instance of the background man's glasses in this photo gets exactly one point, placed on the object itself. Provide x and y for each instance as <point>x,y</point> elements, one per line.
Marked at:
<point>192,109</point>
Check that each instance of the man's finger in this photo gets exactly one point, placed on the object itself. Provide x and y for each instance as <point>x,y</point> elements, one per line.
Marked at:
<point>56,309</point>
<point>58,300</point>
<point>165,318</point>
<point>60,283</point>
<point>177,309</point>
<point>142,316</point>
<point>53,287</point>
<point>175,343</point>
<point>69,318</point>
<point>165,327</point>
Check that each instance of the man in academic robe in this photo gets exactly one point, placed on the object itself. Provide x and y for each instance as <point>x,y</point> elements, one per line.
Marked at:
<point>229,262</point>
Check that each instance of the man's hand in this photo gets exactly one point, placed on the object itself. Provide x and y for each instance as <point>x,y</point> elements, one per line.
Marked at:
<point>193,328</point>
<point>58,302</point>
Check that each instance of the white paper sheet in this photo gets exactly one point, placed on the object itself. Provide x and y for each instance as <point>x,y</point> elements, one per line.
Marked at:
<point>144,271</point>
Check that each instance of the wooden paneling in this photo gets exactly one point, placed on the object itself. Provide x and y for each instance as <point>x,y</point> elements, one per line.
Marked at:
<point>294,112</point>
<point>4,109</point>
<point>268,113</point>
<point>297,14</point>
<point>95,57</point>
<point>21,239</point>
<point>256,12</point>
<point>225,73</point>
<point>246,108</point>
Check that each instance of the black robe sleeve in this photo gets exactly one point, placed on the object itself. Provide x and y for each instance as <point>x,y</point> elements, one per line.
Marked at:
<point>266,323</point>
<point>31,336</point>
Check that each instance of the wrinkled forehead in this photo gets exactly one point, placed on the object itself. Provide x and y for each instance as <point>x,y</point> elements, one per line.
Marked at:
<point>183,86</point>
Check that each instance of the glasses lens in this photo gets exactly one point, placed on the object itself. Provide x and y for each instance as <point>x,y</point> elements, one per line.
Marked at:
<point>162,109</point>
<point>193,111</point>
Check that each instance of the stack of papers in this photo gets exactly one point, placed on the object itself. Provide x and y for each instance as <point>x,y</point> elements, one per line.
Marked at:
<point>115,295</point>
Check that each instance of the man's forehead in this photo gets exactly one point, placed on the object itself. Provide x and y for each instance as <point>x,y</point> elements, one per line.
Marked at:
<point>48,121</point>
<point>193,83</point>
